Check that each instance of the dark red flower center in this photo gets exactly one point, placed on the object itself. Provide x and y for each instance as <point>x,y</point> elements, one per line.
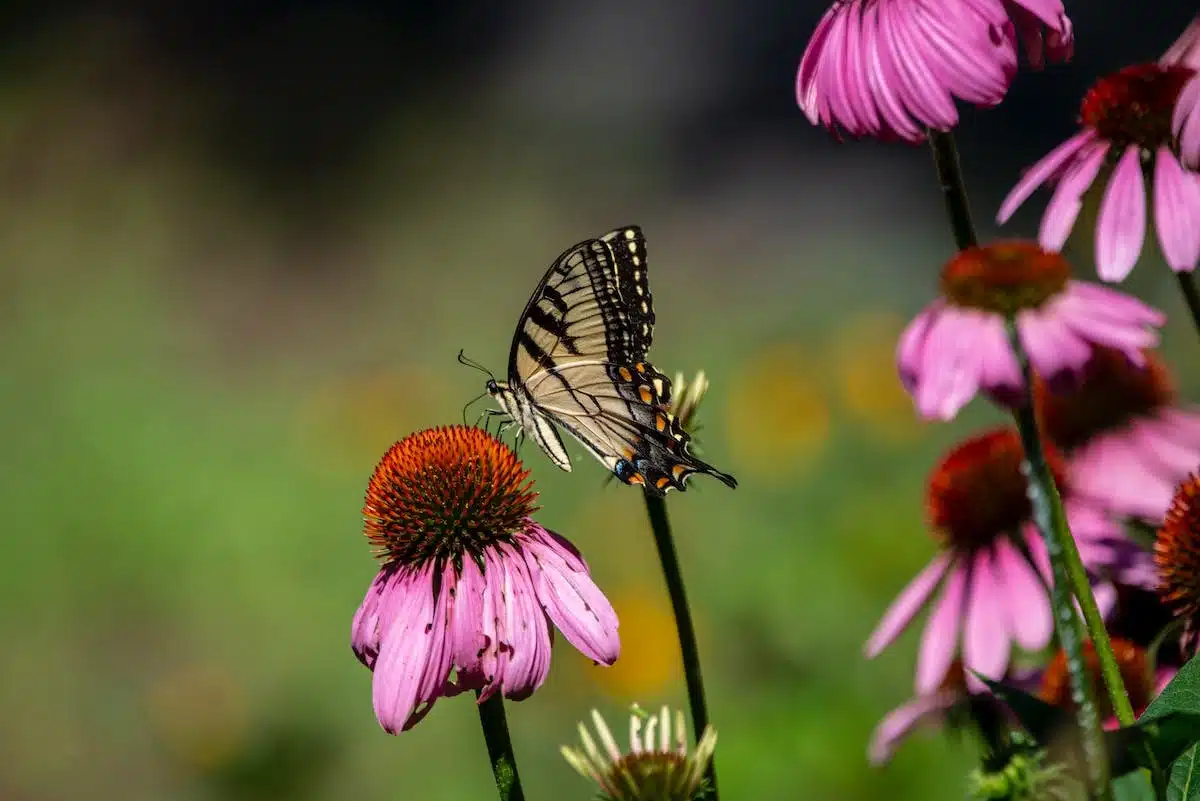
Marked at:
<point>1136,675</point>
<point>443,492</point>
<point>1004,277</point>
<point>978,493</point>
<point>1134,106</point>
<point>1112,392</point>
<point>1177,557</point>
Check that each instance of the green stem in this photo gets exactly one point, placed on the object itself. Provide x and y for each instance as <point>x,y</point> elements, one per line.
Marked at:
<point>656,508</point>
<point>954,189</point>
<point>1187,284</point>
<point>1068,578</point>
<point>500,750</point>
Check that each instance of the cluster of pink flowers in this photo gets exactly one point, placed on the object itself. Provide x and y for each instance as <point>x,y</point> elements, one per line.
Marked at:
<point>1116,440</point>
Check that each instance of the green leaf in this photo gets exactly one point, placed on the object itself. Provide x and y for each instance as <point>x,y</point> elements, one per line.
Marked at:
<point>1133,787</point>
<point>1182,695</point>
<point>1184,784</point>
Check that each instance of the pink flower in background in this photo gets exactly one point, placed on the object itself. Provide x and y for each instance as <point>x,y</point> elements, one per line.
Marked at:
<point>993,564</point>
<point>470,583</point>
<point>928,710</point>
<point>1127,440</point>
<point>893,68</point>
<point>1185,122</point>
<point>957,346</point>
<point>1138,122</point>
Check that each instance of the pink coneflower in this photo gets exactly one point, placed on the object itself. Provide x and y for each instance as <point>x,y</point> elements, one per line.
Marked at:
<point>1133,122</point>
<point>928,710</point>
<point>893,68</point>
<point>1127,441</point>
<point>957,346</point>
<point>469,582</point>
<point>992,594</point>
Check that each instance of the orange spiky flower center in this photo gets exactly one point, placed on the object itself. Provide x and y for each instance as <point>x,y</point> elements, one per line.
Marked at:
<point>1004,277</point>
<point>1134,105</point>
<point>1177,558</point>
<point>978,493</point>
<point>1136,675</point>
<point>1112,392</point>
<point>445,492</point>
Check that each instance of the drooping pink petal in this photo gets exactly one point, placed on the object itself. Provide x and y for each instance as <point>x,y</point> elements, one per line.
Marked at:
<point>530,635</point>
<point>952,364</point>
<point>493,662</point>
<point>573,602</point>
<point>1121,228</point>
<point>910,349</point>
<point>466,625</point>
<point>1029,613</point>
<point>1185,123</point>
<point>1176,211</point>
<point>902,721</point>
<point>413,662</point>
<point>1055,351</point>
<point>1065,204</point>
<point>939,640</point>
<point>986,634</point>
<point>1110,321</point>
<point>1050,166</point>
<point>810,65</point>
<point>881,80</point>
<point>1000,375</point>
<point>364,630</point>
<point>1186,49</point>
<point>906,606</point>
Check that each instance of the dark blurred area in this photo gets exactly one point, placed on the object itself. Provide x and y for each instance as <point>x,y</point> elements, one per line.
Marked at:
<point>240,244</point>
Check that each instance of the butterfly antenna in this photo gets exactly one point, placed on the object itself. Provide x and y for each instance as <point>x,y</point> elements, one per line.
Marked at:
<point>471,403</point>
<point>469,362</point>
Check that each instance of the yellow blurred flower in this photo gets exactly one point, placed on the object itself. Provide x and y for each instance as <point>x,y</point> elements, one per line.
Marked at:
<point>864,362</point>
<point>779,420</point>
<point>355,417</point>
<point>650,663</point>
<point>201,716</point>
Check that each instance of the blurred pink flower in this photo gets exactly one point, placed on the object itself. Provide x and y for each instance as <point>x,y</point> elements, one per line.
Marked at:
<point>1140,117</point>
<point>893,68</point>
<point>470,583</point>
<point>993,566</point>
<point>1127,441</point>
<point>957,346</point>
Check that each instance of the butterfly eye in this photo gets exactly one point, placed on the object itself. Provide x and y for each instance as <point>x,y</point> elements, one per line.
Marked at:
<point>492,387</point>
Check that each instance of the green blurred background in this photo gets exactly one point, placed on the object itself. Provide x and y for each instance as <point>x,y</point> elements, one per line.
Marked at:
<point>241,246</point>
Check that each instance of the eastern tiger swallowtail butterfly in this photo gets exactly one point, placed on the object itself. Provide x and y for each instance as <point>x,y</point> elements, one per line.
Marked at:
<point>578,359</point>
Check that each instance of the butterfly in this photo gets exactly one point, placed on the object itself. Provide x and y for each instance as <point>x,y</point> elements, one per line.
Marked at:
<point>578,359</point>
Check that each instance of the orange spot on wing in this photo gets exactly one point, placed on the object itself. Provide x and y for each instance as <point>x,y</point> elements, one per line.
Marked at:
<point>625,374</point>
<point>645,394</point>
<point>662,482</point>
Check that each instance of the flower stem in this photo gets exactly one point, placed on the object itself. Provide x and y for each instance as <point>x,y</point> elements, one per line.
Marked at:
<point>954,189</point>
<point>1187,284</point>
<point>656,508</point>
<point>1068,578</point>
<point>500,750</point>
<point>1067,568</point>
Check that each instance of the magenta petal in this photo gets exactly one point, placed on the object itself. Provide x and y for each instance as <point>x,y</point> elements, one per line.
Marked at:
<point>1176,211</point>
<point>952,363</point>
<point>1121,229</point>
<point>407,650</point>
<point>1186,123</point>
<point>910,350</point>
<point>1029,613</point>
<point>986,635</point>
<point>574,603</point>
<point>1065,204</point>
<point>530,635</point>
<point>364,630</point>
<point>466,619</point>
<point>939,641</point>
<point>902,721</point>
<point>906,606</point>
<point>494,659</point>
<point>1048,167</point>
